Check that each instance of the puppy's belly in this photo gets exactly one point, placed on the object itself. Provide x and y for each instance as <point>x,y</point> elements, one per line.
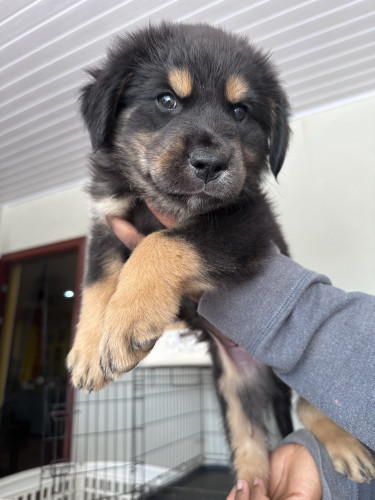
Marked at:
<point>245,364</point>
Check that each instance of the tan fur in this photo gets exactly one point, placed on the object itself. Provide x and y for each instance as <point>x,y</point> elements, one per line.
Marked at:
<point>250,455</point>
<point>123,118</point>
<point>250,155</point>
<point>349,456</point>
<point>236,89</point>
<point>147,297</point>
<point>83,359</point>
<point>140,143</point>
<point>169,156</point>
<point>181,82</point>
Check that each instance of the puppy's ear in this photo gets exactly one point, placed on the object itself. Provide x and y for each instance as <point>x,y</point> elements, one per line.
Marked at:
<point>98,103</point>
<point>280,132</point>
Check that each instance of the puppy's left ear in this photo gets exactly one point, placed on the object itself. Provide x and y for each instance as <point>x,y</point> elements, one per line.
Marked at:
<point>280,132</point>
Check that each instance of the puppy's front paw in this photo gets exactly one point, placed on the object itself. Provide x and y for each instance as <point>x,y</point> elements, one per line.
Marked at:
<point>83,359</point>
<point>352,459</point>
<point>135,319</point>
<point>83,364</point>
<point>147,298</point>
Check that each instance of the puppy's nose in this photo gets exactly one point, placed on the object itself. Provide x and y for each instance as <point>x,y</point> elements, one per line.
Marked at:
<point>208,166</point>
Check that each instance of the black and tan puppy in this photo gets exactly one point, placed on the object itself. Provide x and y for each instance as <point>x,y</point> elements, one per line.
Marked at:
<point>192,119</point>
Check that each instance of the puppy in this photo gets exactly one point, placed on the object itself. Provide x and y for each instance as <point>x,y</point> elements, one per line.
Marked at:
<point>192,119</point>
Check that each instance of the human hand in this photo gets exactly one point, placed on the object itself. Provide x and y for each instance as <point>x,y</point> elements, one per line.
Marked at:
<point>293,475</point>
<point>127,233</point>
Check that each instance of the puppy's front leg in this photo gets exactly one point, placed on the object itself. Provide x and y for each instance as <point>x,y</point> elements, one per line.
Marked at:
<point>191,258</point>
<point>105,259</point>
<point>83,359</point>
<point>147,298</point>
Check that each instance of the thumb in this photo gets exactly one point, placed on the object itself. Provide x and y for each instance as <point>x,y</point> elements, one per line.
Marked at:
<point>259,490</point>
<point>166,219</point>
<point>125,232</point>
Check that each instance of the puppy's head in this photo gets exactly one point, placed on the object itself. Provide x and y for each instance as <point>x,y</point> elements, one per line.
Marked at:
<point>190,115</point>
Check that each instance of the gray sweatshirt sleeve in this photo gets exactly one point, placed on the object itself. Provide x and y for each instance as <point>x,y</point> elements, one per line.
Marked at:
<point>319,339</point>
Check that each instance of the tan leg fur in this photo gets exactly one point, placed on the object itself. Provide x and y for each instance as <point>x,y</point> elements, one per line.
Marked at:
<point>147,299</point>
<point>250,454</point>
<point>83,359</point>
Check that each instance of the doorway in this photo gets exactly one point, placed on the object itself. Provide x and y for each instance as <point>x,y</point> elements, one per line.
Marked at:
<point>42,300</point>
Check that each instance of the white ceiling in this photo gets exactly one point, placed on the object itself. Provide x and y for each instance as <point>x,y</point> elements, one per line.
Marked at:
<point>325,50</point>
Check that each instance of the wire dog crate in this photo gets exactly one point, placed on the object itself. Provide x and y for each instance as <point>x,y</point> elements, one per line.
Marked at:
<point>140,436</point>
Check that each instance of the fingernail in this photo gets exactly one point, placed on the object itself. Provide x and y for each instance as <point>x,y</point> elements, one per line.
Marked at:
<point>239,485</point>
<point>256,482</point>
<point>109,219</point>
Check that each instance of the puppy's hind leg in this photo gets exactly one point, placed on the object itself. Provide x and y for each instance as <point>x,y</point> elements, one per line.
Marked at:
<point>349,456</point>
<point>244,426</point>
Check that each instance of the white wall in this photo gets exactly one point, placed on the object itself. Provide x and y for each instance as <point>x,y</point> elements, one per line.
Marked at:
<point>325,197</point>
<point>326,194</point>
<point>54,217</point>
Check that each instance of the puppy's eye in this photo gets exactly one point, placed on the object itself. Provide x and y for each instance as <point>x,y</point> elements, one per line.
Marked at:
<point>167,102</point>
<point>239,112</point>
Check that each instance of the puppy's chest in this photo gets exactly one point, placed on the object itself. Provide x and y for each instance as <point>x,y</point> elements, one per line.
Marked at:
<point>111,207</point>
<point>130,208</point>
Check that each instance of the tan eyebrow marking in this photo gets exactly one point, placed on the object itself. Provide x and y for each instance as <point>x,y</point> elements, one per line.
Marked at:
<point>235,89</point>
<point>181,81</point>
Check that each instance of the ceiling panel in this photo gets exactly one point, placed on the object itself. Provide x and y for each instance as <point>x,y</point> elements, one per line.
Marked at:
<point>325,50</point>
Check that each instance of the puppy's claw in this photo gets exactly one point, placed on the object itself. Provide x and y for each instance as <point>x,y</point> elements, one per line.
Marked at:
<point>101,365</point>
<point>108,369</point>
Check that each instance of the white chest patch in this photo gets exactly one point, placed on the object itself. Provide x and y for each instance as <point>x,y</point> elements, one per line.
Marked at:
<point>111,206</point>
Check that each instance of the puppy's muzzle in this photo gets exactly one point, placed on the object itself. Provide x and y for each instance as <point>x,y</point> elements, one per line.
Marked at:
<point>208,166</point>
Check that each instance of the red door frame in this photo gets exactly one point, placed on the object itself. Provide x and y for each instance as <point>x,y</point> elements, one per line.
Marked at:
<point>77,244</point>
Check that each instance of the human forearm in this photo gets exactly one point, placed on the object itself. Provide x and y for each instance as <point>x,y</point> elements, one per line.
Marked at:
<point>317,338</point>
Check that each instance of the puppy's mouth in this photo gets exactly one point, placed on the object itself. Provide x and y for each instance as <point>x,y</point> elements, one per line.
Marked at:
<point>205,192</point>
<point>183,194</point>
<point>185,190</point>
<point>201,196</point>
<point>182,200</point>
